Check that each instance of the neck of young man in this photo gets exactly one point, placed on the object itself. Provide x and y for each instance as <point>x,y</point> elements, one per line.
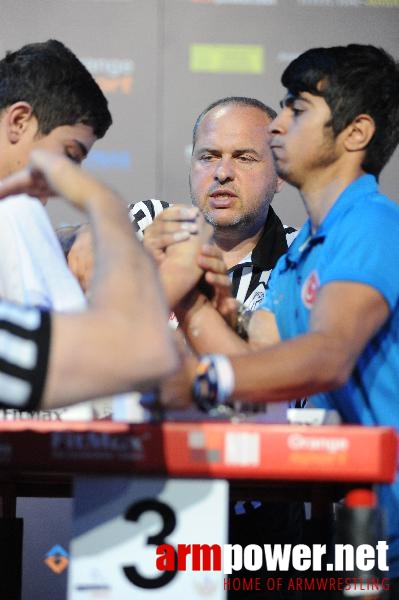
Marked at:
<point>320,193</point>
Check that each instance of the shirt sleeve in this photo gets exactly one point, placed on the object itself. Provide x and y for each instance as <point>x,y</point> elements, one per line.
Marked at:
<point>24,355</point>
<point>366,251</point>
<point>142,214</point>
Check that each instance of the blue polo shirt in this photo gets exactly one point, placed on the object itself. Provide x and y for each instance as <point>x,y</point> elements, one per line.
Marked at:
<point>357,241</point>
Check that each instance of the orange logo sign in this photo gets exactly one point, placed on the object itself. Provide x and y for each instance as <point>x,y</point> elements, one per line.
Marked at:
<point>57,559</point>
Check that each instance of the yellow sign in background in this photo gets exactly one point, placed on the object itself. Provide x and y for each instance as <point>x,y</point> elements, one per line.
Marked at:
<point>227,58</point>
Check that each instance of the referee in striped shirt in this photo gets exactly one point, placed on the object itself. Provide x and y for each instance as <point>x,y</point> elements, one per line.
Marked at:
<point>233,182</point>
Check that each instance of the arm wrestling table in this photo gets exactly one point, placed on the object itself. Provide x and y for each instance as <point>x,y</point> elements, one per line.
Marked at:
<point>317,464</point>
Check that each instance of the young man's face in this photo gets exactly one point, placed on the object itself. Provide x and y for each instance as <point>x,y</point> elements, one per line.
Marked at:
<point>232,175</point>
<point>302,139</point>
<point>74,141</point>
<point>20,134</point>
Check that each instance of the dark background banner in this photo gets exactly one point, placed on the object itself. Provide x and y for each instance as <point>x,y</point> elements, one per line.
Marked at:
<point>160,62</point>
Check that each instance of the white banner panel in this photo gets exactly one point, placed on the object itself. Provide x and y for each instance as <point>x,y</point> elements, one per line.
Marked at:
<point>120,521</point>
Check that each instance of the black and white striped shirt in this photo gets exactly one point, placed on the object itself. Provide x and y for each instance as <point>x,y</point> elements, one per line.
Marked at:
<point>24,350</point>
<point>249,277</point>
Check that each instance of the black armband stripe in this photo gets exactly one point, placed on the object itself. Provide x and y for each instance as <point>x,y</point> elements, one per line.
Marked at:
<point>33,376</point>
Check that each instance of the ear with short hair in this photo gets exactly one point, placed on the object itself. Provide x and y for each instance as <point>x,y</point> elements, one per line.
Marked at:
<point>359,133</point>
<point>279,185</point>
<point>18,117</point>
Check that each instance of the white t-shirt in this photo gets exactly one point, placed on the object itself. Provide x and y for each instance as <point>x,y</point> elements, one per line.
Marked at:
<point>34,272</point>
<point>33,269</point>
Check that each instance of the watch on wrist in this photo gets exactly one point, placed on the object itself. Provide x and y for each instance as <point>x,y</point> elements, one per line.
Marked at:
<point>213,382</point>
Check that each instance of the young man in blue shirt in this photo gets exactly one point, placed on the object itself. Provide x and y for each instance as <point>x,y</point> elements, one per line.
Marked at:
<point>329,326</point>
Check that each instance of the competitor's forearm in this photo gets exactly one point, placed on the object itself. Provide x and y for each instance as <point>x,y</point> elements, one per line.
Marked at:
<point>206,330</point>
<point>123,339</point>
<point>180,271</point>
<point>125,278</point>
<point>292,369</point>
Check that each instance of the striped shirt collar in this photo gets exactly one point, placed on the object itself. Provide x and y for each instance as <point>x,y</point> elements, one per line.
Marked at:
<point>271,245</point>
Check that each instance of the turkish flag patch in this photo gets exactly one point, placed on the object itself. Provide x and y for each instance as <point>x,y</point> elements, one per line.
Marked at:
<point>309,289</point>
